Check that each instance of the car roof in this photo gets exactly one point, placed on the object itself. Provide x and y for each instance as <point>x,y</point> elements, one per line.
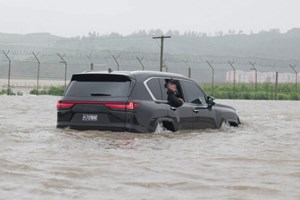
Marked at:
<point>138,75</point>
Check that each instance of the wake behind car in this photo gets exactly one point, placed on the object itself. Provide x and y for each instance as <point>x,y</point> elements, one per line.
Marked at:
<point>137,102</point>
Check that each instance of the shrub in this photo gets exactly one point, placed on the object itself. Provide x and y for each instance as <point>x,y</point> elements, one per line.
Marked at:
<point>53,90</point>
<point>264,91</point>
<point>10,92</point>
<point>56,91</point>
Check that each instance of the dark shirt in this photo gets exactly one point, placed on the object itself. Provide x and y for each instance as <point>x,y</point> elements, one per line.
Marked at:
<point>173,99</point>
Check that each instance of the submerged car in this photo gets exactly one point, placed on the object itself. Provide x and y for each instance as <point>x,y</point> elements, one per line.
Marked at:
<point>136,101</point>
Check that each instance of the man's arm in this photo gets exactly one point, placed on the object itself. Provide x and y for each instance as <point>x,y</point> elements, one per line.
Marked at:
<point>174,100</point>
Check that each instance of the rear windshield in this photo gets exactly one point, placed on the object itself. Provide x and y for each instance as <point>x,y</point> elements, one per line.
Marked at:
<point>99,85</point>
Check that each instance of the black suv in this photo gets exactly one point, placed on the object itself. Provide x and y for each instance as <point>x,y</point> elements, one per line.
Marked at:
<point>137,102</point>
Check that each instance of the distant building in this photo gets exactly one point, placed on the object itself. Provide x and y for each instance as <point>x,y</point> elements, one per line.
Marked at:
<point>262,77</point>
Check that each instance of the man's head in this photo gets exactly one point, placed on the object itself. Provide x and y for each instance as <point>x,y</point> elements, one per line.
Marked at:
<point>172,85</point>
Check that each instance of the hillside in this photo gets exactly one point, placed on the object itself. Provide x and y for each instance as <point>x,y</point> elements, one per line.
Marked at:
<point>267,44</point>
<point>187,46</point>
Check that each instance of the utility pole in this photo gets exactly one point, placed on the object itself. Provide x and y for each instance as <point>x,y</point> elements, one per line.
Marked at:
<point>231,65</point>
<point>38,72</point>
<point>161,49</point>
<point>116,60</point>
<point>66,67</point>
<point>254,68</point>
<point>140,61</point>
<point>296,73</point>
<point>9,69</point>
<point>212,76</point>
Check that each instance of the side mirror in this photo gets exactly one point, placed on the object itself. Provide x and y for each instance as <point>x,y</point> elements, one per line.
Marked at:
<point>210,101</point>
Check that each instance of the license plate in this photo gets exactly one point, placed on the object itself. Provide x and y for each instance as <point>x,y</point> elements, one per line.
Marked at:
<point>88,117</point>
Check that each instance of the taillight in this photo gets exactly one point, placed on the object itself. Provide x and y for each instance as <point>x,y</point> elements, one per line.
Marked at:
<point>121,106</point>
<point>64,105</point>
<point>111,105</point>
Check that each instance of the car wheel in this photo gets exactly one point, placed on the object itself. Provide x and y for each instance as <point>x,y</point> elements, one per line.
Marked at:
<point>225,124</point>
<point>160,128</point>
<point>164,126</point>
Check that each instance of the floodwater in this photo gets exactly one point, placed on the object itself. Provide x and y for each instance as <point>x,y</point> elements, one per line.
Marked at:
<point>259,160</point>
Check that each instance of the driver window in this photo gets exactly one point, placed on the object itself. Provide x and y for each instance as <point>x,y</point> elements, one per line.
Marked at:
<point>193,93</point>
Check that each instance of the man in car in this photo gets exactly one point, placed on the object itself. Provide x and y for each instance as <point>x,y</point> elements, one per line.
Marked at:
<point>174,98</point>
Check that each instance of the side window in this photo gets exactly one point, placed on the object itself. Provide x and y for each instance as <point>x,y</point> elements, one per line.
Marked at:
<point>193,93</point>
<point>154,87</point>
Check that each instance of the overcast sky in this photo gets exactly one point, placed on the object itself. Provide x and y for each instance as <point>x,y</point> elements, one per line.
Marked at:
<point>78,17</point>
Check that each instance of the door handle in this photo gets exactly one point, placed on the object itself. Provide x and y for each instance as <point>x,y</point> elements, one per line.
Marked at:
<point>199,108</point>
<point>173,108</point>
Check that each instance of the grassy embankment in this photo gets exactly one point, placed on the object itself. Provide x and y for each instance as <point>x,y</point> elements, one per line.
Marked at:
<point>265,91</point>
<point>52,90</point>
<point>10,92</point>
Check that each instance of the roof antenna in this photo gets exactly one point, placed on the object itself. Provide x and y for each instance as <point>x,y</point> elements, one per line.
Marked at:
<point>110,70</point>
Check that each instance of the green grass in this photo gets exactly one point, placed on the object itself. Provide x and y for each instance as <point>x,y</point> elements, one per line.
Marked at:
<point>10,92</point>
<point>265,91</point>
<point>52,90</point>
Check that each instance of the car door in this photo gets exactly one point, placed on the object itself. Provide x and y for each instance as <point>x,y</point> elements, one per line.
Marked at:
<point>183,115</point>
<point>204,117</point>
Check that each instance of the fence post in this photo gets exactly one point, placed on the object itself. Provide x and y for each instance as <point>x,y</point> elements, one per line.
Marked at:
<point>189,69</point>
<point>254,68</point>
<point>165,65</point>
<point>296,73</point>
<point>92,66</point>
<point>89,57</point>
<point>212,76</point>
<point>140,61</point>
<point>276,86</point>
<point>9,69</point>
<point>116,60</point>
<point>38,72</point>
<point>234,69</point>
<point>66,67</point>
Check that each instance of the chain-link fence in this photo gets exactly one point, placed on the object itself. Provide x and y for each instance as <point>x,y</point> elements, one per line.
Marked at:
<point>244,77</point>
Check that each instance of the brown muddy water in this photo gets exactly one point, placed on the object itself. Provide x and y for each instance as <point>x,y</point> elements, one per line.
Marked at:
<point>259,160</point>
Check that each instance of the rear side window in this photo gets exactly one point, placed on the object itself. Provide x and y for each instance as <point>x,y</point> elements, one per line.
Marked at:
<point>164,89</point>
<point>89,85</point>
<point>154,87</point>
<point>163,83</point>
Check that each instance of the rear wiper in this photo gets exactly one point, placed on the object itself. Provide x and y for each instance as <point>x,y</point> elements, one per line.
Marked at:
<point>100,94</point>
